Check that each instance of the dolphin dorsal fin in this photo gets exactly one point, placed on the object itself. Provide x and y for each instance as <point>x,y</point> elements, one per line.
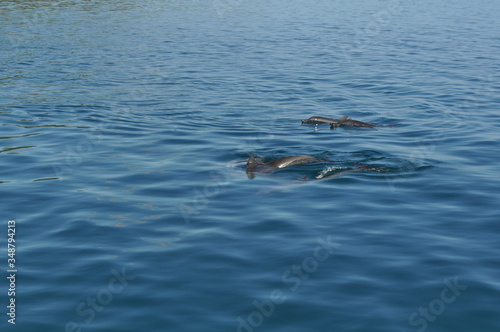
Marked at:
<point>251,165</point>
<point>251,161</point>
<point>345,117</point>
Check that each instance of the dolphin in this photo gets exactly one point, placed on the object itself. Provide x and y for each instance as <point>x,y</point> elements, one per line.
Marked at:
<point>256,164</point>
<point>304,180</point>
<point>320,120</point>
<point>334,123</point>
<point>359,168</point>
<point>352,123</point>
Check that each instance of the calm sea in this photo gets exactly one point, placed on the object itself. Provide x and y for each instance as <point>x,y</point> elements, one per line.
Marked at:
<point>124,131</point>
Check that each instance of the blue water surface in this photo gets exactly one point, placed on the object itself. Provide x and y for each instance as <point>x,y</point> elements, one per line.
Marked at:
<point>125,127</point>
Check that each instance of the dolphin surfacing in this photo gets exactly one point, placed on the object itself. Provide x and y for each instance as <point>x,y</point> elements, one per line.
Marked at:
<point>352,123</point>
<point>358,168</point>
<point>334,123</point>
<point>256,164</point>
<point>315,120</point>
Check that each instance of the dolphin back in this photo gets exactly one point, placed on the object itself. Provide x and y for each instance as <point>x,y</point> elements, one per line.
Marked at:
<point>354,123</point>
<point>292,160</point>
<point>320,120</point>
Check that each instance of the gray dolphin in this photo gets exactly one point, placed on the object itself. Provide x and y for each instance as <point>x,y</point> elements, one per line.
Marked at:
<point>315,120</point>
<point>303,180</point>
<point>334,123</point>
<point>352,123</point>
<point>256,164</point>
<point>359,168</point>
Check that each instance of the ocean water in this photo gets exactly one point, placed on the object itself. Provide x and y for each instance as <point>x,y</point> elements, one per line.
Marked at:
<point>124,131</point>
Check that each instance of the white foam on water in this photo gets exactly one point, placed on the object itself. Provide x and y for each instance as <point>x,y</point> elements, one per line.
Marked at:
<point>328,170</point>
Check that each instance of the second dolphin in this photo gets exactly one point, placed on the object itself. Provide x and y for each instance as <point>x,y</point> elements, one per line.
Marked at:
<point>334,123</point>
